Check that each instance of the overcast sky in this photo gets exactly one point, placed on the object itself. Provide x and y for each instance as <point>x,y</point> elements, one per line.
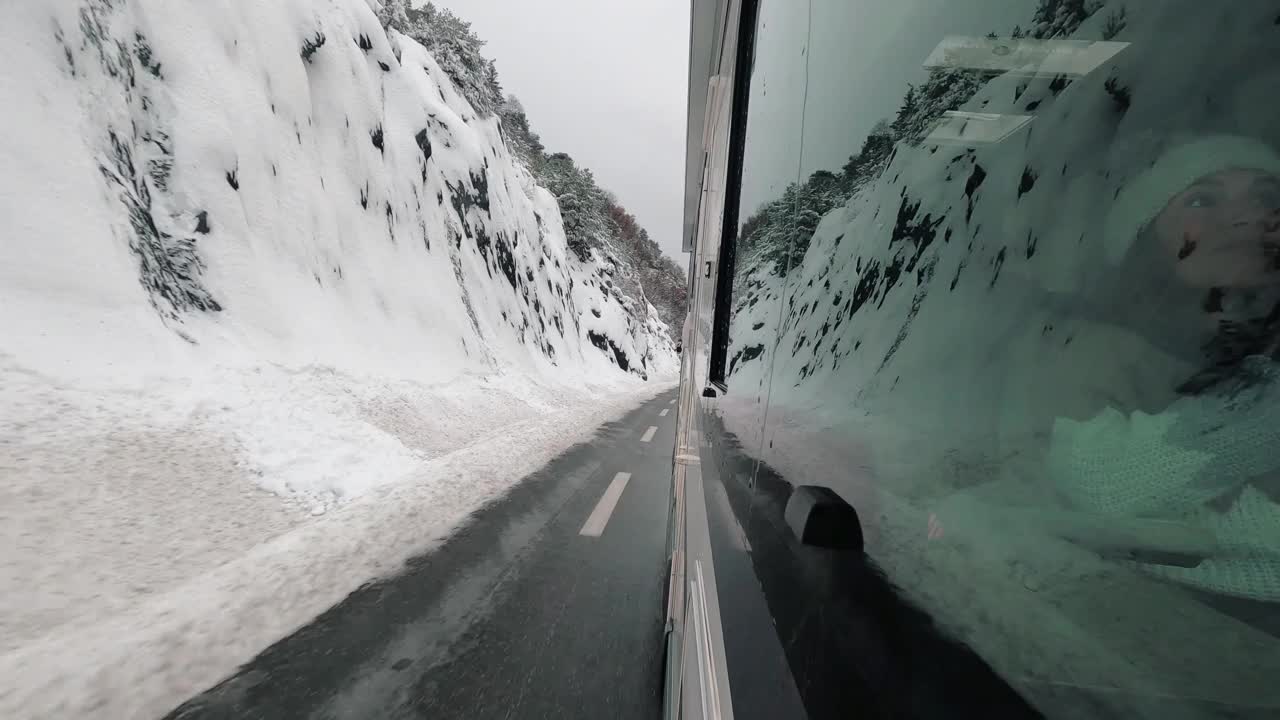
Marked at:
<point>605,81</point>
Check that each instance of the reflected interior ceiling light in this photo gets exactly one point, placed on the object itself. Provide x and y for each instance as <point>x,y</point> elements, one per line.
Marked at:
<point>1023,56</point>
<point>971,129</point>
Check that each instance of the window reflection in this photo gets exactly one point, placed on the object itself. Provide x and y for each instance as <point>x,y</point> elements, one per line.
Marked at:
<point>1006,279</point>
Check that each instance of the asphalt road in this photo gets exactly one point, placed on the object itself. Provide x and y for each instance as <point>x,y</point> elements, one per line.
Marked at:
<point>548,603</point>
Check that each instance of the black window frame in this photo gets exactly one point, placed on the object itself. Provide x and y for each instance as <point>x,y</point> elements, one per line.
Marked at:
<point>727,255</point>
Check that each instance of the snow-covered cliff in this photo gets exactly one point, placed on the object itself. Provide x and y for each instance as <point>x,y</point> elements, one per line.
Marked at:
<point>195,191</point>
<point>256,251</point>
<point>286,180</point>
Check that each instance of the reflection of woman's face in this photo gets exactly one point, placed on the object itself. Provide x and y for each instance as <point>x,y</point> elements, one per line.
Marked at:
<point>1224,230</point>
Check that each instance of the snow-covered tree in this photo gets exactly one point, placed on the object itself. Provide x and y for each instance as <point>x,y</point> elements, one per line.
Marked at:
<point>1060,18</point>
<point>523,141</point>
<point>660,279</point>
<point>945,89</point>
<point>910,107</point>
<point>583,205</point>
<point>871,159</point>
<point>665,287</point>
<point>493,88</point>
<point>457,49</point>
<point>394,14</point>
<point>777,236</point>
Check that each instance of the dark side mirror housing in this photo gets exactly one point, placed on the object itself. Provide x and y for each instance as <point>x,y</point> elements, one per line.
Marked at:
<point>818,516</point>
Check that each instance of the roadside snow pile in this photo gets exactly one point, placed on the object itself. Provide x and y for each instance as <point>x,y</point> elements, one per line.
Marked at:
<point>158,628</point>
<point>258,252</point>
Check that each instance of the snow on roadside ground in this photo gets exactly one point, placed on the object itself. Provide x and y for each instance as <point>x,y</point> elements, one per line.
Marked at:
<point>112,495</point>
<point>168,643</point>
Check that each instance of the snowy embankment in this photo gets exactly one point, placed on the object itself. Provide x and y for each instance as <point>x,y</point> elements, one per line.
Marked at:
<point>277,310</point>
<point>232,591</point>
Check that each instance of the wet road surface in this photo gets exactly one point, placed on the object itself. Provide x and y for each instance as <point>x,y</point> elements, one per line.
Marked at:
<point>548,603</point>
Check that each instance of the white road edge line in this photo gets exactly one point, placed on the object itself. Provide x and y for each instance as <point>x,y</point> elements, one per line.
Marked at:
<point>664,412</point>
<point>599,517</point>
<point>648,434</point>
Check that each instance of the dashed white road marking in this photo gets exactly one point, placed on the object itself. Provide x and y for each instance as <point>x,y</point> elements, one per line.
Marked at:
<point>673,402</point>
<point>664,412</point>
<point>599,517</point>
<point>648,434</point>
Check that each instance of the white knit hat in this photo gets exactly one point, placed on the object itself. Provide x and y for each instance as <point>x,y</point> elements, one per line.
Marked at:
<point>1145,196</point>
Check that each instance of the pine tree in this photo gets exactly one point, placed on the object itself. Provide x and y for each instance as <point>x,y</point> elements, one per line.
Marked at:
<point>523,141</point>
<point>493,88</point>
<point>393,14</point>
<point>457,50</point>
<point>583,205</point>
<point>871,158</point>
<point>1061,18</point>
<point>906,113</point>
<point>945,89</point>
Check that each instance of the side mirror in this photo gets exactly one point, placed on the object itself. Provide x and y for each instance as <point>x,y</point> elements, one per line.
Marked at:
<point>708,392</point>
<point>679,349</point>
<point>818,516</point>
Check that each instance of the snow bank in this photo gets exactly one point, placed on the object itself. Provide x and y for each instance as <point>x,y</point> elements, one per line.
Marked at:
<point>168,645</point>
<point>277,310</point>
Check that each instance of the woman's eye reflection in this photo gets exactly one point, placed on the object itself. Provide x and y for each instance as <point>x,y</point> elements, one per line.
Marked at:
<point>1201,200</point>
